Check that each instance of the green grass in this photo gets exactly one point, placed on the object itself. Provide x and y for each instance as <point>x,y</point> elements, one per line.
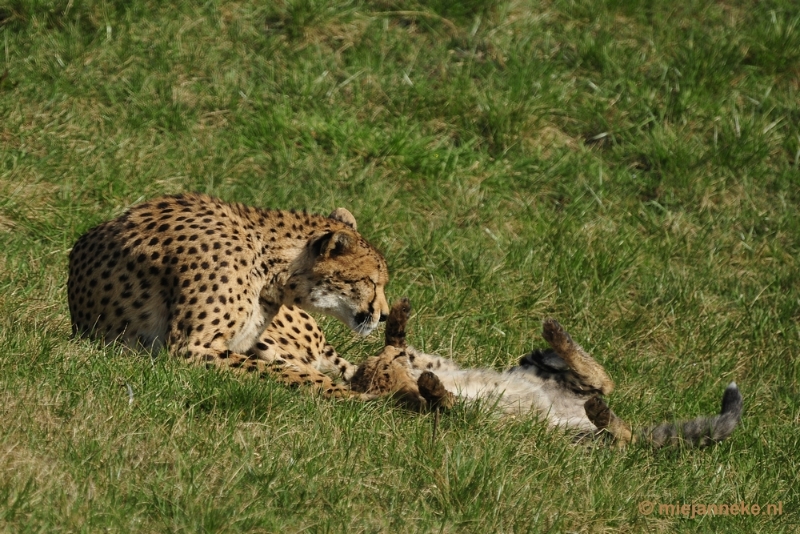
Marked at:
<point>630,168</point>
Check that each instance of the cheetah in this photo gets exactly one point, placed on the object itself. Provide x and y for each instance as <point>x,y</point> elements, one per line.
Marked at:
<point>205,277</point>
<point>564,385</point>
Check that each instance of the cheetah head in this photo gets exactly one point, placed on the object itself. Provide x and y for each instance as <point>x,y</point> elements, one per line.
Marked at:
<point>343,276</point>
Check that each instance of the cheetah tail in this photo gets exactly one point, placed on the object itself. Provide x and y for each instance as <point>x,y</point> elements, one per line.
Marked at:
<point>699,432</point>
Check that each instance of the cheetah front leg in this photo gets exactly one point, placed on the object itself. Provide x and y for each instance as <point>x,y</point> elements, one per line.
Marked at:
<point>296,350</point>
<point>214,355</point>
<point>296,376</point>
<point>276,369</point>
<point>285,367</point>
<point>204,344</point>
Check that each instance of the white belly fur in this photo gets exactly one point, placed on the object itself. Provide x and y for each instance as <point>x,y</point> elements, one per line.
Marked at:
<point>516,392</point>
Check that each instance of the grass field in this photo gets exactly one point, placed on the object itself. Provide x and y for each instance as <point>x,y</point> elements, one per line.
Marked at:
<point>628,167</point>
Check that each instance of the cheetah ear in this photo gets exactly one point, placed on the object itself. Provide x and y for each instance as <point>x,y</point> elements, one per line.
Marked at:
<point>332,244</point>
<point>344,216</point>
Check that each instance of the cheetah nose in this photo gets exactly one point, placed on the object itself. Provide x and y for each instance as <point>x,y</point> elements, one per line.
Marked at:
<point>383,318</point>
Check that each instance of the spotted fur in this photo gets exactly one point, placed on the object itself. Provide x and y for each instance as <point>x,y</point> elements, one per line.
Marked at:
<point>206,277</point>
<point>563,385</point>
